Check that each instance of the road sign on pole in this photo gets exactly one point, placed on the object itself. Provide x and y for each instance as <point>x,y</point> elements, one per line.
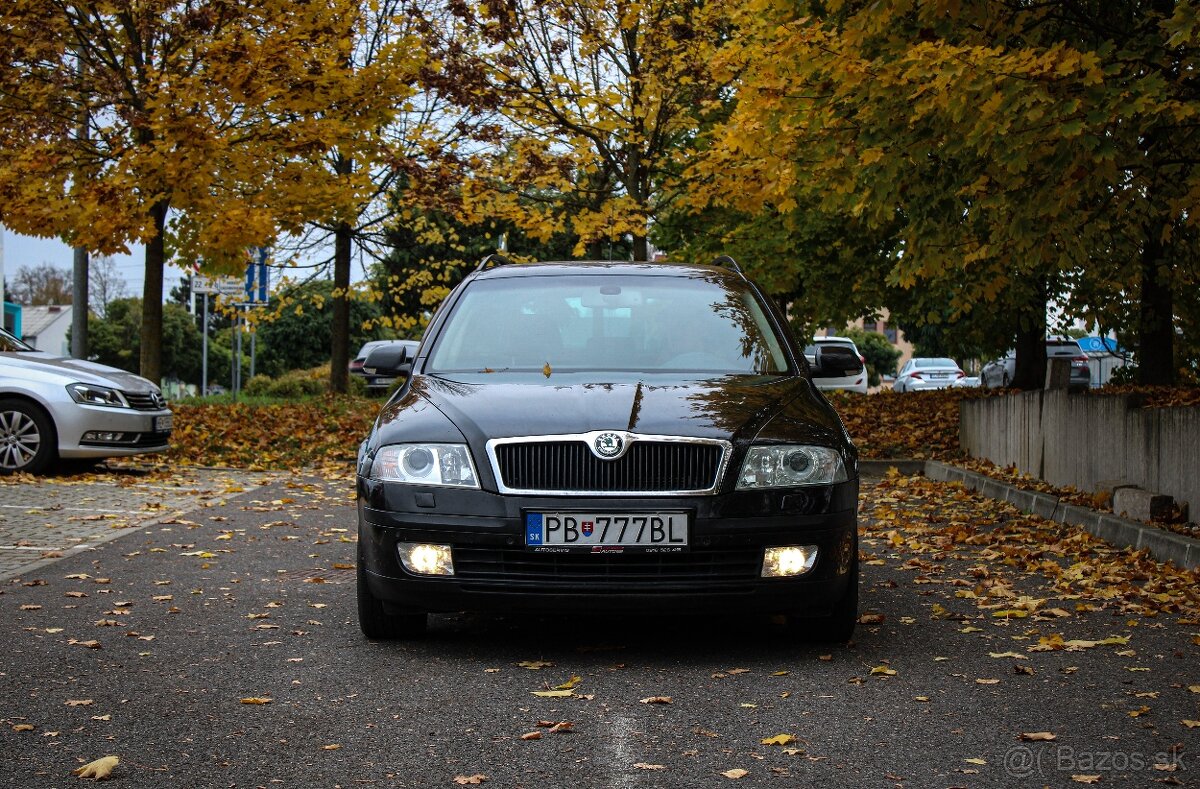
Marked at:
<point>257,278</point>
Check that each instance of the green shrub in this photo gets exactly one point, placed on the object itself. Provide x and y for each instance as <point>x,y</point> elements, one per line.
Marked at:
<point>258,386</point>
<point>299,384</point>
<point>1124,375</point>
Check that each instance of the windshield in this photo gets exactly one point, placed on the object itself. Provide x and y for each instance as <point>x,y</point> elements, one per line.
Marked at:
<point>9,343</point>
<point>608,323</point>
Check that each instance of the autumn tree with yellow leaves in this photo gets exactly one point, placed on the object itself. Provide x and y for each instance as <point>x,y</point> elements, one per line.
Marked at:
<point>1027,148</point>
<point>597,100</point>
<point>208,123</point>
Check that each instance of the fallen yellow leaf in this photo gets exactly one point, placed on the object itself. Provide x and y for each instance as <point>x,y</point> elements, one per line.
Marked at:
<point>656,700</point>
<point>644,766</point>
<point>534,665</point>
<point>23,727</point>
<point>1086,779</point>
<point>464,780</point>
<point>735,773</point>
<point>1038,736</point>
<point>553,694</point>
<point>884,670</point>
<point>570,683</point>
<point>1191,724</point>
<point>99,770</point>
<point>779,739</point>
<point>256,700</point>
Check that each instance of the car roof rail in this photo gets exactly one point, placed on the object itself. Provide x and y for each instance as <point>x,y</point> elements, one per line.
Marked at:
<point>729,263</point>
<point>494,259</point>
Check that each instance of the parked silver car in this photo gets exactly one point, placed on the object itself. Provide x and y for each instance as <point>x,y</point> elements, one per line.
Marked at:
<point>378,383</point>
<point>57,407</point>
<point>999,373</point>
<point>923,374</point>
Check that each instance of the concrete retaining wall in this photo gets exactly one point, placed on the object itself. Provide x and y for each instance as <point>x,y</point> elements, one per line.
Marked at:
<point>1082,440</point>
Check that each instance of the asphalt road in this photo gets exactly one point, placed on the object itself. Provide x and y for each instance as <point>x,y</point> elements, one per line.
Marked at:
<point>149,647</point>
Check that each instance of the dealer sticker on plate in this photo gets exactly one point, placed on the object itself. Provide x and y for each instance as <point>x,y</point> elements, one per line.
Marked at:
<point>662,532</point>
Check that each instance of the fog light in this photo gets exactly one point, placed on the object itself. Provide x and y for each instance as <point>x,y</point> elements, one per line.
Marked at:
<point>788,560</point>
<point>98,436</point>
<point>425,559</point>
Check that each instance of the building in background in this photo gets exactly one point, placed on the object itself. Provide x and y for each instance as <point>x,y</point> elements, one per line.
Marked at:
<point>45,328</point>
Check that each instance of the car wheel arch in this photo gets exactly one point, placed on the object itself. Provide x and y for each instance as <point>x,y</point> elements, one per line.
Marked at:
<point>19,399</point>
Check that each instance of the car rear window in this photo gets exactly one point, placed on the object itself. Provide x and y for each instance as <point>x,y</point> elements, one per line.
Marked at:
<point>608,322</point>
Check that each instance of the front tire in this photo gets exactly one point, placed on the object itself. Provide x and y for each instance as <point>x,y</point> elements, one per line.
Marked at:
<point>376,623</point>
<point>836,627</point>
<point>27,441</point>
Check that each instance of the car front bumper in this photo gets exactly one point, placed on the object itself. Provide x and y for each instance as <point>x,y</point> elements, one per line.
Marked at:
<point>133,432</point>
<point>720,570</point>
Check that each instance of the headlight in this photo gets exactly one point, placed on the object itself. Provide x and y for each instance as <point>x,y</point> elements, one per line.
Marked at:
<point>788,465</point>
<point>90,394</point>
<point>425,464</point>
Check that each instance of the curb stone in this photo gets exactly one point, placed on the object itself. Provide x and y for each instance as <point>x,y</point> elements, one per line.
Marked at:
<point>1121,532</point>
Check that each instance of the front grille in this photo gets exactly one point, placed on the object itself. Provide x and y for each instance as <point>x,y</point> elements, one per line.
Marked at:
<point>647,467</point>
<point>699,569</point>
<point>145,401</point>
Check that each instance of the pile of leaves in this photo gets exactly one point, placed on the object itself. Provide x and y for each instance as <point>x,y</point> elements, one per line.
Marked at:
<point>917,425</point>
<point>316,432</point>
<point>1155,396</point>
<point>929,522</point>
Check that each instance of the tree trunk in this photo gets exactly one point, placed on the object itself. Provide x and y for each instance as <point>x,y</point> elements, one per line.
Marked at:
<point>152,297</point>
<point>1156,330</point>
<point>641,248</point>
<point>1030,370</point>
<point>339,359</point>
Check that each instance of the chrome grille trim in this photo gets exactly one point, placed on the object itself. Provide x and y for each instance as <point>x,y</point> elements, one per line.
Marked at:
<point>145,401</point>
<point>574,449</point>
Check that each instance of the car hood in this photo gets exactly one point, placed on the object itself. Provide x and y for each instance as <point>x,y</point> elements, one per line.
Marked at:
<point>37,363</point>
<point>736,408</point>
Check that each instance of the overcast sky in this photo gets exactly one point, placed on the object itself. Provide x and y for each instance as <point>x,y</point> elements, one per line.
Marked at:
<point>28,251</point>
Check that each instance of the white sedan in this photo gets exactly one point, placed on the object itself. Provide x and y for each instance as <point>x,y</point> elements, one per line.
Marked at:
<point>922,374</point>
<point>57,407</point>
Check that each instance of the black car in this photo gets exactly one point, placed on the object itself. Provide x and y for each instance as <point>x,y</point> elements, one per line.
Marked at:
<point>621,437</point>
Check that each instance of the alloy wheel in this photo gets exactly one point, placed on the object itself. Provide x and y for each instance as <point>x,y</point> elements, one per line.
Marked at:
<point>20,440</point>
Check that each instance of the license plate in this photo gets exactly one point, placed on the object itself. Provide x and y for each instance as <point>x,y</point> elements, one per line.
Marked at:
<point>605,532</point>
<point>163,423</point>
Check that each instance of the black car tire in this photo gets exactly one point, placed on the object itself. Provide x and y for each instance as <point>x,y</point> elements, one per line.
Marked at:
<point>377,623</point>
<point>836,627</point>
<point>25,424</point>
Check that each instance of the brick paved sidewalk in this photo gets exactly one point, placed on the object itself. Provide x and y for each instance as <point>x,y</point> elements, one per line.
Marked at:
<point>50,518</point>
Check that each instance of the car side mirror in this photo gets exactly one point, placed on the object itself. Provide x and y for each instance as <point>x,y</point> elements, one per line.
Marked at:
<point>835,361</point>
<point>390,360</point>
